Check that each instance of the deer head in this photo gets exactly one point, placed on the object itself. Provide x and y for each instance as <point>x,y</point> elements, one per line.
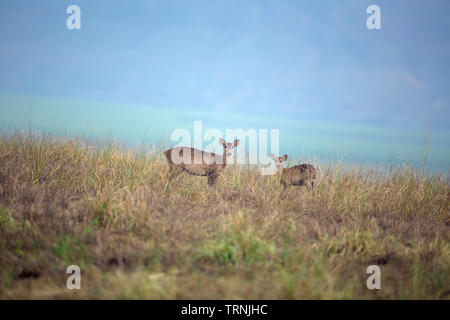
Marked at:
<point>228,147</point>
<point>279,160</point>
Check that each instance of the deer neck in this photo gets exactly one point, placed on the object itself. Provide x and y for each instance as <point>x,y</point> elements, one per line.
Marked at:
<point>280,171</point>
<point>224,158</point>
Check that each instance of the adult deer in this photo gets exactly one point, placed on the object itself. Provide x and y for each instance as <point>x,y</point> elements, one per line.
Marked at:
<point>301,175</point>
<point>198,162</point>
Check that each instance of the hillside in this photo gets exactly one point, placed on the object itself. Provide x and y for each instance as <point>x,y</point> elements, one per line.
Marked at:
<point>64,202</point>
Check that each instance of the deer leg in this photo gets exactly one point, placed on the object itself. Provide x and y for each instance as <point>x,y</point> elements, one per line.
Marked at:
<point>283,192</point>
<point>212,179</point>
<point>174,171</point>
<point>312,186</point>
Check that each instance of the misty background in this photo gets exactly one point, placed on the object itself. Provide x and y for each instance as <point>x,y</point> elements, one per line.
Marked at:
<point>138,70</point>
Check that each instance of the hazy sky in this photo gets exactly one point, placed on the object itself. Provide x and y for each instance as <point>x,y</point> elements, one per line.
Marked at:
<point>312,65</point>
<point>302,58</point>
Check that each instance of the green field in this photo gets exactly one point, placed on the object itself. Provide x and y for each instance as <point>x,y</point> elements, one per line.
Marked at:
<point>104,208</point>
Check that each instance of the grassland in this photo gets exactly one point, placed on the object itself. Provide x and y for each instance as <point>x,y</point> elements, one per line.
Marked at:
<point>104,208</point>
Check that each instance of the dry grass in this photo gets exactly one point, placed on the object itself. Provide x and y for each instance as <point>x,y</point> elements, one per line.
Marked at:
<point>105,209</point>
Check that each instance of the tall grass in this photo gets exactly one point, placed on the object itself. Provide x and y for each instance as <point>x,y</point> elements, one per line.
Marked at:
<point>104,208</point>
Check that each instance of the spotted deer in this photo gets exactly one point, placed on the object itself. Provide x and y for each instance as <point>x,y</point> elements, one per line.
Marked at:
<point>198,162</point>
<point>301,175</point>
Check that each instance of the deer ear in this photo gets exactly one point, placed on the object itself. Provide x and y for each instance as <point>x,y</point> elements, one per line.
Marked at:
<point>285,157</point>
<point>236,142</point>
<point>221,141</point>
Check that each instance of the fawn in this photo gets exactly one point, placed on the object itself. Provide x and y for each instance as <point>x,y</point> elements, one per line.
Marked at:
<point>301,175</point>
<point>198,162</point>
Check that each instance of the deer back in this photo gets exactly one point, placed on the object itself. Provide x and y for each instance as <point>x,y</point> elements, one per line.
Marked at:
<point>195,161</point>
<point>298,175</point>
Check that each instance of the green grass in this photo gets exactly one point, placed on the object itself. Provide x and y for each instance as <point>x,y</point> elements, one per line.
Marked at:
<point>105,209</point>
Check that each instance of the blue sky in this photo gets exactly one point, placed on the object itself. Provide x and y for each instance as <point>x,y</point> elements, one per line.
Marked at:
<point>306,61</point>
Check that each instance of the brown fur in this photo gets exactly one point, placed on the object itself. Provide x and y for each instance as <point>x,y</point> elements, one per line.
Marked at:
<point>300,175</point>
<point>208,164</point>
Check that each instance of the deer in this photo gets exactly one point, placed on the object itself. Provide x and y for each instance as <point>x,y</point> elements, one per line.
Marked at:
<point>198,162</point>
<point>300,175</point>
